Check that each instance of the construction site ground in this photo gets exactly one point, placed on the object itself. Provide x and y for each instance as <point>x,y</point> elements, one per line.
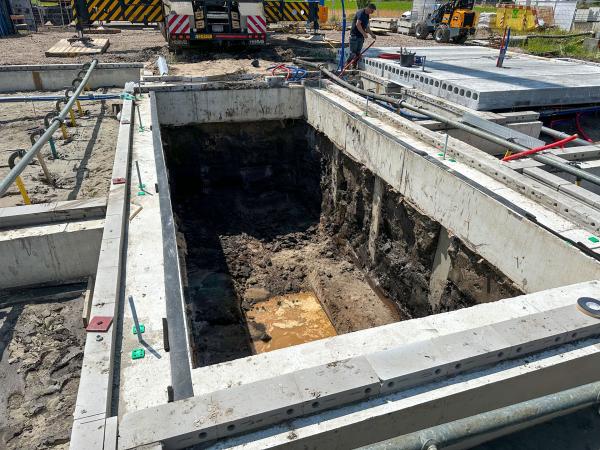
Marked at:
<point>41,342</point>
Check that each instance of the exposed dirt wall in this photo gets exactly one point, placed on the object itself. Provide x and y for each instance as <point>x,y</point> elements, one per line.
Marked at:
<point>404,244</point>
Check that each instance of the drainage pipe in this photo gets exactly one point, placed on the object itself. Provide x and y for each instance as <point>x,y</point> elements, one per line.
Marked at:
<point>451,433</point>
<point>54,125</point>
<point>560,135</point>
<point>564,167</point>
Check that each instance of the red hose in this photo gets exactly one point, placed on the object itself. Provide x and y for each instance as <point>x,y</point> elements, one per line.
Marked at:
<point>389,55</point>
<point>580,130</point>
<point>280,67</point>
<point>539,149</point>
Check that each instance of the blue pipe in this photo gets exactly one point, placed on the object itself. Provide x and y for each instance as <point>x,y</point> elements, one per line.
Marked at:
<point>342,50</point>
<point>53,98</point>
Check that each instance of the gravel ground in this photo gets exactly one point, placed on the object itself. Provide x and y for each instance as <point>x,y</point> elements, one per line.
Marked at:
<point>145,45</point>
<point>84,166</point>
<point>127,46</point>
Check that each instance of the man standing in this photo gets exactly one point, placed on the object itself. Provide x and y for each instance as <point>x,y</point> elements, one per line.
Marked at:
<point>360,29</point>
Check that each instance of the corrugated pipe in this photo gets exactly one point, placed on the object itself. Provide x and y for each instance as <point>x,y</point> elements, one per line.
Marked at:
<point>54,124</point>
<point>451,433</point>
<point>582,174</point>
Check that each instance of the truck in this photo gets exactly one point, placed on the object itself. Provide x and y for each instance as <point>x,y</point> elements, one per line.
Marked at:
<point>192,23</point>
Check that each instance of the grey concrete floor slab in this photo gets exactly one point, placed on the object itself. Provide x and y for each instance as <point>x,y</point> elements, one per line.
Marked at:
<point>469,77</point>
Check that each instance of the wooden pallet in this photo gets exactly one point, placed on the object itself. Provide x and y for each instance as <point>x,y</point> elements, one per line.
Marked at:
<point>63,47</point>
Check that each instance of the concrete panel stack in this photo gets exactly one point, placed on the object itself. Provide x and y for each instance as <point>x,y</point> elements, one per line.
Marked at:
<point>382,23</point>
<point>587,19</point>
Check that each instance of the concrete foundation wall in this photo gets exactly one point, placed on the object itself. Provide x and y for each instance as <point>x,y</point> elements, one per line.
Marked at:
<point>52,77</point>
<point>182,107</point>
<point>510,242</point>
<point>49,253</point>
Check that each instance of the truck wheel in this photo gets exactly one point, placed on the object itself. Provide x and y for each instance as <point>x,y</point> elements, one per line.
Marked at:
<point>442,35</point>
<point>461,39</point>
<point>421,31</point>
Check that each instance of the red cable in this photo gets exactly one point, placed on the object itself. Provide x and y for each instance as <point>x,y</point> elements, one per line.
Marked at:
<point>580,130</point>
<point>539,149</point>
<point>389,55</point>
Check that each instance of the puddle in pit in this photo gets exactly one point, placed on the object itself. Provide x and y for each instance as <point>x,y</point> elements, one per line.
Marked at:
<point>288,320</point>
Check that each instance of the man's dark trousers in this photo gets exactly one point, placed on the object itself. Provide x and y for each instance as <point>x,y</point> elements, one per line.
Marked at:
<point>356,45</point>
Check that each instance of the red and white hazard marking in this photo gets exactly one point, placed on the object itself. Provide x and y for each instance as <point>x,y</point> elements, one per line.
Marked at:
<point>256,24</point>
<point>179,24</point>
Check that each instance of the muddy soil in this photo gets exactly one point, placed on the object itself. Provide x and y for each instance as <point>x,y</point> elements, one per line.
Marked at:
<point>41,350</point>
<point>84,166</point>
<point>250,222</point>
<point>399,257</point>
<point>273,209</point>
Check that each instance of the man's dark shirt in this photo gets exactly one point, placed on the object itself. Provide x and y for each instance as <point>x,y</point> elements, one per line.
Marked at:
<point>364,21</point>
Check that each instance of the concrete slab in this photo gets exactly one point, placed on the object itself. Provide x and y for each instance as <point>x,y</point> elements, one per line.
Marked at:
<point>143,382</point>
<point>94,395</point>
<point>44,253</point>
<point>52,77</point>
<point>471,78</point>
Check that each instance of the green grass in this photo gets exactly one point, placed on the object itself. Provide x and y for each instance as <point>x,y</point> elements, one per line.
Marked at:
<point>570,47</point>
<point>392,5</point>
<point>44,3</point>
<point>388,5</point>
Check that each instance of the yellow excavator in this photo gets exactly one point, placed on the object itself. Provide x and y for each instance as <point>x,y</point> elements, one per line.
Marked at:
<point>454,20</point>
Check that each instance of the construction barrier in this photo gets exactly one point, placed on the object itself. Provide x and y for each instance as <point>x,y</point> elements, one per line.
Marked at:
<point>521,18</point>
<point>282,11</point>
<point>133,11</point>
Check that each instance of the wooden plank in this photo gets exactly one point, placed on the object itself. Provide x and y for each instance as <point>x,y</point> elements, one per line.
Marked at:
<point>87,302</point>
<point>64,48</point>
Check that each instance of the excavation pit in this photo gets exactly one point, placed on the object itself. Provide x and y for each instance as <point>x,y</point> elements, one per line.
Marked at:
<point>239,176</point>
<point>286,240</point>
